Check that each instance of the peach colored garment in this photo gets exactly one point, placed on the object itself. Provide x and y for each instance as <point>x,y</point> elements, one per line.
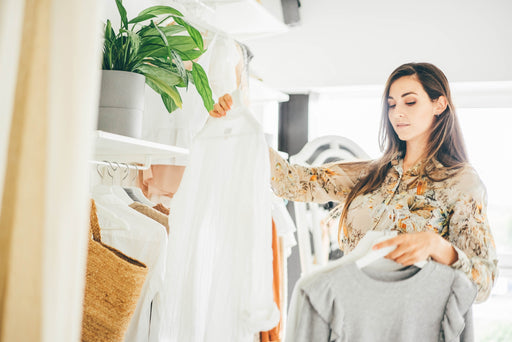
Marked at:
<point>162,208</point>
<point>160,181</point>
<point>152,213</point>
<point>274,334</point>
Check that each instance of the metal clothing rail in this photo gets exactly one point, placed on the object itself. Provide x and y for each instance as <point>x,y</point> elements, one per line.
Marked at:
<point>121,165</point>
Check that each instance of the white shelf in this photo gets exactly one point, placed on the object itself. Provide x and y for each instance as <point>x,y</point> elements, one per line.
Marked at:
<point>122,149</point>
<point>245,19</point>
<point>260,92</point>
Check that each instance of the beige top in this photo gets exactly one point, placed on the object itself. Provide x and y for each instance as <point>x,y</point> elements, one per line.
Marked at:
<point>152,213</point>
<point>454,208</point>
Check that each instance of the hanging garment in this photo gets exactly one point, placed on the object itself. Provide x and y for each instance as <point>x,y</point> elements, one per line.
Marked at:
<point>161,181</point>
<point>300,303</point>
<point>432,303</point>
<point>284,224</point>
<point>143,239</point>
<point>152,213</point>
<point>219,265</point>
<point>274,334</point>
<point>161,208</point>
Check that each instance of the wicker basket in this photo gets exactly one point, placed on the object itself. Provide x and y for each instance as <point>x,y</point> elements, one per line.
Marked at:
<point>112,288</point>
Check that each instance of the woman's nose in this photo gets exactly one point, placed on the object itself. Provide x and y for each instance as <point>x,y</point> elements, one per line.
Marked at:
<point>399,111</point>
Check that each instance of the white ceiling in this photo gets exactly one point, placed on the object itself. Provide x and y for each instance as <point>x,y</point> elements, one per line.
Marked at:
<point>344,43</point>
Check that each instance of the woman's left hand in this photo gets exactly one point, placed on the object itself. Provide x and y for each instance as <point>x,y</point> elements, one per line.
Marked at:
<point>410,247</point>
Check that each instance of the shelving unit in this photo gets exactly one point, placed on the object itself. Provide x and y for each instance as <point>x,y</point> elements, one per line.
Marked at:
<point>122,149</point>
<point>245,19</point>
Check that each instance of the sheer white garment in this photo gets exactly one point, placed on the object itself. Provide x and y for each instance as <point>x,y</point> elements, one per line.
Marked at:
<point>219,266</point>
<point>285,226</point>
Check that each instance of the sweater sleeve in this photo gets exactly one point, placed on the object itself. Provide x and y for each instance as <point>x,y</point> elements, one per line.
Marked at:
<point>471,235</point>
<point>311,327</point>
<point>328,182</point>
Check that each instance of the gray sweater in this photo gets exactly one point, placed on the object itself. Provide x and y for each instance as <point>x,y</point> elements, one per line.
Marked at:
<point>348,304</point>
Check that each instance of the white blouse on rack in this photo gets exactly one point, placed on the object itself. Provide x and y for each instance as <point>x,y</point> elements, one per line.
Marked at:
<point>219,266</point>
<point>143,239</point>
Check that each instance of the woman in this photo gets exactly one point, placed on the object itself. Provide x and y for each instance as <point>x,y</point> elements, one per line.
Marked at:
<point>423,186</point>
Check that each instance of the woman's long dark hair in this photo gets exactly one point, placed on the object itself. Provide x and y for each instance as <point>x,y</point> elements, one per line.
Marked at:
<point>446,143</point>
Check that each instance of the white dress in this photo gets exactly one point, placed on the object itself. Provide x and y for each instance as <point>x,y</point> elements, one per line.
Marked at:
<point>219,266</point>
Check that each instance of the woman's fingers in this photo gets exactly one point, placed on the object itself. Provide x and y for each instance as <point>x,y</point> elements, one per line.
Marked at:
<point>396,253</point>
<point>220,109</point>
<point>215,114</point>
<point>389,242</point>
<point>226,102</point>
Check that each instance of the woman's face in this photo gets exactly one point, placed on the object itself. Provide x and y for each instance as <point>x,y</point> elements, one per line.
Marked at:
<point>411,112</point>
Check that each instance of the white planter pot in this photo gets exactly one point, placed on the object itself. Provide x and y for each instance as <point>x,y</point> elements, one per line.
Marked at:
<point>121,103</point>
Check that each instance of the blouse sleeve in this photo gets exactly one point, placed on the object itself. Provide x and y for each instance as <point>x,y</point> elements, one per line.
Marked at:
<point>328,182</point>
<point>471,235</point>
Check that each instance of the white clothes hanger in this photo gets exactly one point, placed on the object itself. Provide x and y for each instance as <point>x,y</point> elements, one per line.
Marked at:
<point>113,189</point>
<point>136,193</point>
<point>375,258</point>
<point>138,196</point>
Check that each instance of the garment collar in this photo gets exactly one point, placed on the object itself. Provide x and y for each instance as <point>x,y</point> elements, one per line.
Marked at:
<point>398,161</point>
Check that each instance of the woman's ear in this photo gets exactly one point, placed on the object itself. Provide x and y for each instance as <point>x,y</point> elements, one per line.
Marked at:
<point>440,105</point>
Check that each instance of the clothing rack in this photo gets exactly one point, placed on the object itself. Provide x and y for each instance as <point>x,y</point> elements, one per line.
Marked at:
<point>121,165</point>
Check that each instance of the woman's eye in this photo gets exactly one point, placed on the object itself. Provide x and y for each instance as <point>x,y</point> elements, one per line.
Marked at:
<point>391,106</point>
<point>410,103</point>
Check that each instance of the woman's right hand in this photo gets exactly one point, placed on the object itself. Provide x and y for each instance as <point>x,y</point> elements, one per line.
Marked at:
<point>221,108</point>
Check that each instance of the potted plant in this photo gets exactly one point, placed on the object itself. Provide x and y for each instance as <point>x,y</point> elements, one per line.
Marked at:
<point>147,50</point>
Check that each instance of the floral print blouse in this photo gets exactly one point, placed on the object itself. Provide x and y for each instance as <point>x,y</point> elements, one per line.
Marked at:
<point>454,208</point>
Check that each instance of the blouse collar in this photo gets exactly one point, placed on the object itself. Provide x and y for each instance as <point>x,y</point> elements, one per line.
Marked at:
<point>398,162</point>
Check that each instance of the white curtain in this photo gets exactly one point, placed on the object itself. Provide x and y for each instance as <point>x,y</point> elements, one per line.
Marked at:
<point>44,215</point>
<point>11,18</point>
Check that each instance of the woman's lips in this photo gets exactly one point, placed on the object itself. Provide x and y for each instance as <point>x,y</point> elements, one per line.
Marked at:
<point>402,125</point>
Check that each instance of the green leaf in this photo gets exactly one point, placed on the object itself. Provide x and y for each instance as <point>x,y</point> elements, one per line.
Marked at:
<point>157,10</point>
<point>193,32</point>
<point>164,75</point>
<point>140,18</point>
<point>122,13</point>
<point>202,86</point>
<point>169,103</point>
<point>168,30</point>
<point>189,55</point>
<point>164,40</point>
<point>154,47</point>
<point>182,43</point>
<point>109,33</point>
<point>179,64</point>
<point>162,88</point>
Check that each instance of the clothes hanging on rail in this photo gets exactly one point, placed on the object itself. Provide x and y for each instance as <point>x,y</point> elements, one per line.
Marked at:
<point>141,238</point>
<point>159,183</point>
<point>162,208</point>
<point>285,226</point>
<point>152,213</point>
<point>274,334</point>
<point>219,266</point>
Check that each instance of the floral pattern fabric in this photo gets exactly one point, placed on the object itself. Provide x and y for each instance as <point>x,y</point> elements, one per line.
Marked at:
<point>455,208</point>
